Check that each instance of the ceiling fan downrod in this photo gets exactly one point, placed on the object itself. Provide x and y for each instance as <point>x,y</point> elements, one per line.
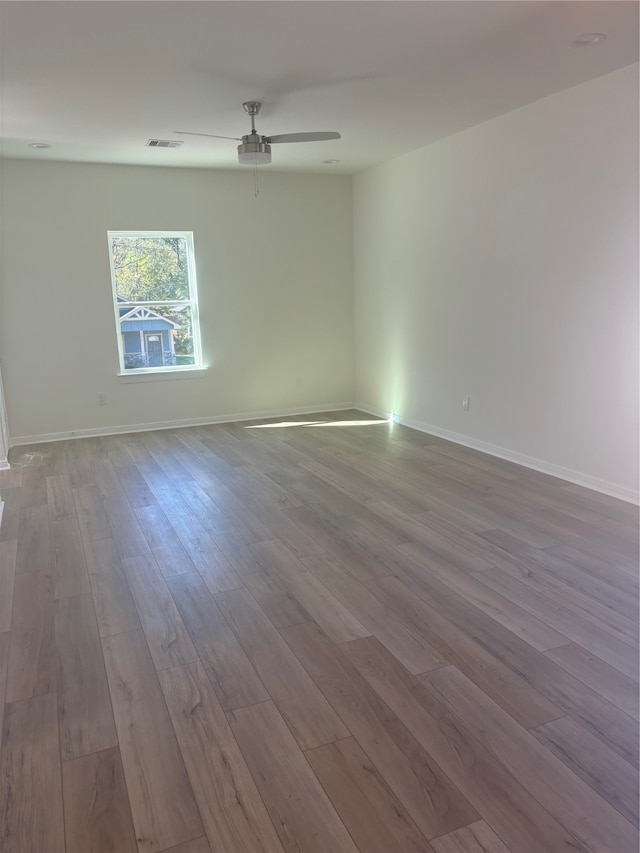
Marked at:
<point>252,108</point>
<point>254,149</point>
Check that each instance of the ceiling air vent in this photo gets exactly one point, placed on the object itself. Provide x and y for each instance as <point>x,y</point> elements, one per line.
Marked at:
<point>164,143</point>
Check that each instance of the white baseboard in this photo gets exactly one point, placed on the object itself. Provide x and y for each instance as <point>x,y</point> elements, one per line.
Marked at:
<point>571,476</point>
<point>187,422</point>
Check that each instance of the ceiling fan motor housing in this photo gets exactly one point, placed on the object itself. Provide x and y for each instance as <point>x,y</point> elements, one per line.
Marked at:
<point>254,150</point>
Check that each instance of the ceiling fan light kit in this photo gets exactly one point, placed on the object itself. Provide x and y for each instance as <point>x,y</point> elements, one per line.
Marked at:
<point>254,149</point>
<point>252,152</point>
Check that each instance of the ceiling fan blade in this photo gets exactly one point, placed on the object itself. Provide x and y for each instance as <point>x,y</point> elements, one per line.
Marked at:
<point>303,137</point>
<point>211,135</point>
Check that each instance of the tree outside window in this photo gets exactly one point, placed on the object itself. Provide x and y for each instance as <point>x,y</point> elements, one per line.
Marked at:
<point>155,300</point>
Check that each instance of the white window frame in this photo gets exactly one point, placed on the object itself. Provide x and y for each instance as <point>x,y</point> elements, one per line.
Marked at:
<point>192,303</point>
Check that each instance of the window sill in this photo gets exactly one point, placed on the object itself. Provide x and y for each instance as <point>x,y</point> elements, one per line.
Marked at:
<point>155,375</point>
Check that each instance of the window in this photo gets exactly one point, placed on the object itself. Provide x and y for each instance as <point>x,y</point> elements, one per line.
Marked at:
<point>155,300</point>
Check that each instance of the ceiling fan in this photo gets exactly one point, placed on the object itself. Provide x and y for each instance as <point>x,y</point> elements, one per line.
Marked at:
<point>255,149</point>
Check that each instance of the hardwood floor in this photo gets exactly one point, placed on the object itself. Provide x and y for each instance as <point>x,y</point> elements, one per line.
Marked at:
<point>312,634</point>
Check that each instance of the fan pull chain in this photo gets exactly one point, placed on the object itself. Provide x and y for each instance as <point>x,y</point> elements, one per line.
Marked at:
<point>256,188</point>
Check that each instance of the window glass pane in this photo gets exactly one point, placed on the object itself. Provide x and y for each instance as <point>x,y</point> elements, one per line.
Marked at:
<point>150,268</point>
<point>156,335</point>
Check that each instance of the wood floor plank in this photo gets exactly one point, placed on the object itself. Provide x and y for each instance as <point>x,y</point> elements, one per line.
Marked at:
<point>476,838</point>
<point>356,485</point>
<point>94,524</point>
<point>624,544</point>
<point>450,542</point>
<point>279,604</point>
<point>620,655</point>
<point>191,500</point>
<point>162,803</point>
<point>318,602</point>
<point>97,816</point>
<point>600,767</point>
<point>263,579</point>
<point>238,551</point>
<point>105,477</point>
<point>198,845</point>
<point>571,801</point>
<point>32,653</point>
<point>574,697</point>
<point>281,526</point>
<point>11,478</point>
<point>299,808</point>
<point>306,711</point>
<point>77,462</point>
<point>325,609</point>
<point>115,609</point>
<point>166,491</point>
<point>506,542</point>
<point>332,505</point>
<point>609,507</point>
<point>34,486</point>
<point>34,549</point>
<point>200,504</point>
<point>215,569</point>
<point>359,551</point>
<point>134,486</point>
<point>232,811</point>
<point>604,615</point>
<point>31,820</point>
<point>84,705</point>
<point>243,519</point>
<point>167,549</point>
<point>8,550</point>
<point>562,572</point>
<point>231,673</point>
<point>607,570</point>
<point>376,820</point>
<point>60,501</point>
<point>423,567</point>
<point>429,796</point>
<point>4,666</point>
<point>598,675</point>
<point>410,649</point>
<point>498,796</point>
<point>126,532</point>
<point>218,573</point>
<point>168,639</point>
<point>455,646</point>
<point>71,575</point>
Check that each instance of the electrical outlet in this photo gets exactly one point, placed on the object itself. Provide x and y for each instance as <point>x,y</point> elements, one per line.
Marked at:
<point>465,404</point>
<point>102,399</point>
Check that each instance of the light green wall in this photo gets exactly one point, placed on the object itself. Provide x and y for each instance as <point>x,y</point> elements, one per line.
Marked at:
<point>501,264</point>
<point>275,284</point>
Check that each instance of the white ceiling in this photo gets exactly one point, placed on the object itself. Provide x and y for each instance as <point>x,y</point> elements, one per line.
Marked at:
<point>98,79</point>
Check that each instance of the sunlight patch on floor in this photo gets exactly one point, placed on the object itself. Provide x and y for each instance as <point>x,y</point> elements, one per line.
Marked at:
<point>282,424</point>
<point>349,423</point>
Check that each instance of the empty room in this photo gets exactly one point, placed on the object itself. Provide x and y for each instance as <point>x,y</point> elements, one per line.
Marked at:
<point>319,426</point>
